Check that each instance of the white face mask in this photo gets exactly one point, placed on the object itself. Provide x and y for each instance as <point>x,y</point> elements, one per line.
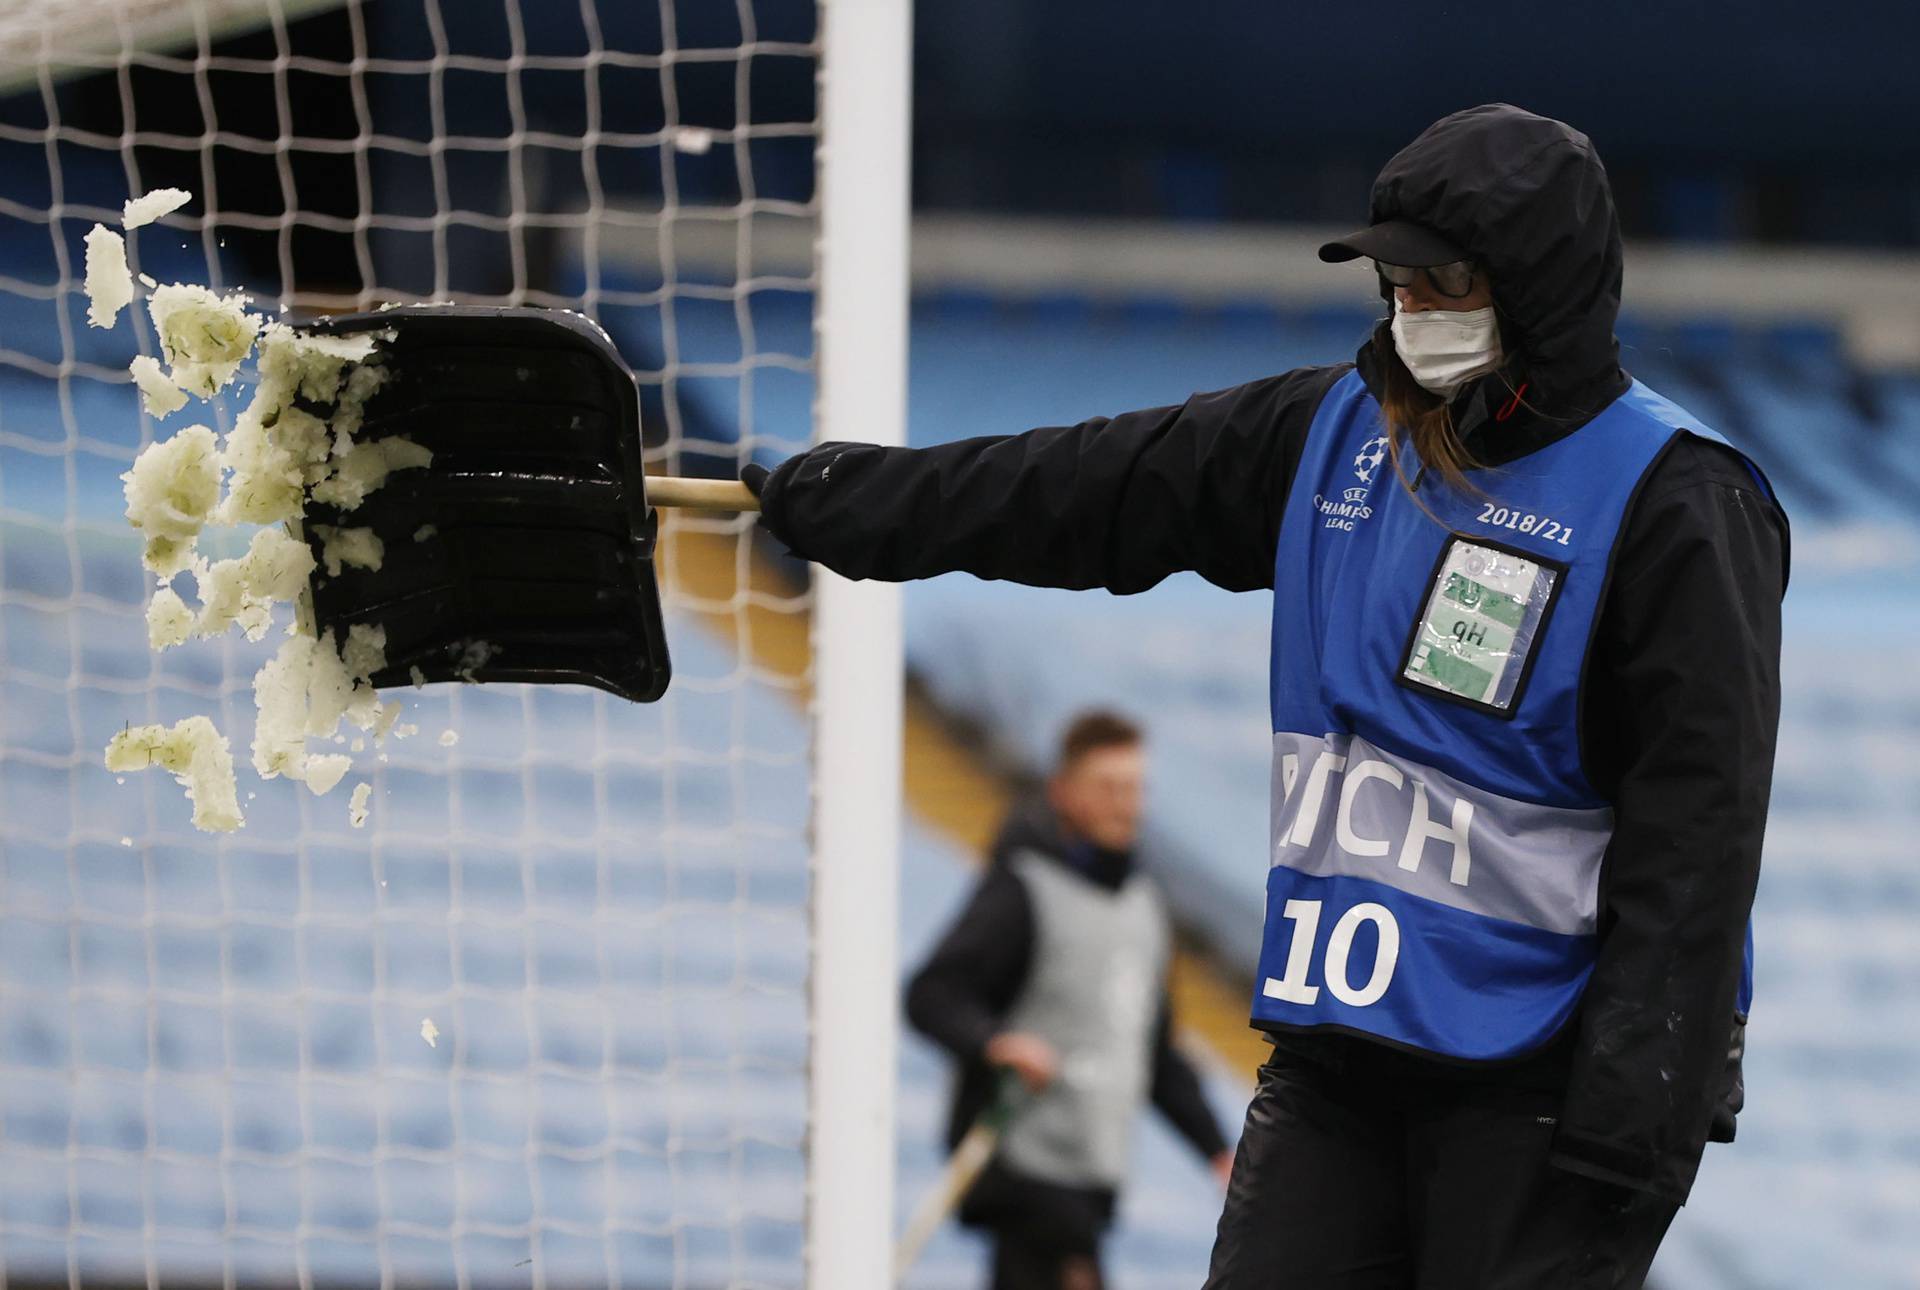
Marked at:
<point>1445,348</point>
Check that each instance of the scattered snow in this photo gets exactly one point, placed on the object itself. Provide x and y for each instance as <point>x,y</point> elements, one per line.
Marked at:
<point>428,1031</point>
<point>294,441</point>
<point>357,806</point>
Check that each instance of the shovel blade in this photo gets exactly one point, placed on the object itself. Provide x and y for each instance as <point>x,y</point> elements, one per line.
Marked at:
<point>524,552</point>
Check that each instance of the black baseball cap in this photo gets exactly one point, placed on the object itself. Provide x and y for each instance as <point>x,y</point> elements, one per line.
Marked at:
<point>1394,241</point>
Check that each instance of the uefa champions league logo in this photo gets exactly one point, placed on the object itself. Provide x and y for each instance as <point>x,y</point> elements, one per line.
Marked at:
<point>1367,463</point>
<point>1352,506</point>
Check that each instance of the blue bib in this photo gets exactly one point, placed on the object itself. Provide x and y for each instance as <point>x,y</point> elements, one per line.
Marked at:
<point>1436,844</point>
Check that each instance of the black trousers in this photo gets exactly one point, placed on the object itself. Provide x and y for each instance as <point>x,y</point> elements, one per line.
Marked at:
<point>1356,1176</point>
<point>1045,1236</point>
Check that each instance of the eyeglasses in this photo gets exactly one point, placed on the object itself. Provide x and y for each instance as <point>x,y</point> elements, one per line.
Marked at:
<point>1450,280</point>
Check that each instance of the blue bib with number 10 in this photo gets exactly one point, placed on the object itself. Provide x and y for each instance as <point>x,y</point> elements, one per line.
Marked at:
<point>1436,844</point>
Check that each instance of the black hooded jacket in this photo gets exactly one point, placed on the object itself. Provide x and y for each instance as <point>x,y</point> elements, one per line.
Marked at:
<point>976,973</point>
<point>1682,695</point>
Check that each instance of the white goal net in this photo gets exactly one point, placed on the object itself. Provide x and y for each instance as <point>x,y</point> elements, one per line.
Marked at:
<point>214,1063</point>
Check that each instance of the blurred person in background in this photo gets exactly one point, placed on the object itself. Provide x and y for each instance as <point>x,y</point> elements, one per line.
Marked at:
<point>1056,972</point>
<point>1525,694</point>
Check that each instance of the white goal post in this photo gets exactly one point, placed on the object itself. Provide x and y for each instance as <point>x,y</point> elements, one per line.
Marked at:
<point>862,327</point>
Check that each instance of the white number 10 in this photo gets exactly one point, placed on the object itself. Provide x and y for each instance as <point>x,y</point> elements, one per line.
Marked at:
<point>1305,916</point>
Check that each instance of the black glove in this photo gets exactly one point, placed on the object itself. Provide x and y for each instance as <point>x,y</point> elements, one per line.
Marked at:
<point>769,487</point>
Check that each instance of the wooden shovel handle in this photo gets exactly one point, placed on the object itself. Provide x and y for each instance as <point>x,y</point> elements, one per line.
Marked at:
<point>700,494</point>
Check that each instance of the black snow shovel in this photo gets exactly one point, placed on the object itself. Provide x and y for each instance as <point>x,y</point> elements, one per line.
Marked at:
<point>524,552</point>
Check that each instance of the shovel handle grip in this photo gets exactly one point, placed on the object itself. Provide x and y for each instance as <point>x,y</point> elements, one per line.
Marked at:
<point>700,494</point>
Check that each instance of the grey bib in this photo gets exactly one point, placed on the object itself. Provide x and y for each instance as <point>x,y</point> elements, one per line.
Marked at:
<point>1099,964</point>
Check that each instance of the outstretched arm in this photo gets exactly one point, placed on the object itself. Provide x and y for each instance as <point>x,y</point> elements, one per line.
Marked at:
<point>1115,502</point>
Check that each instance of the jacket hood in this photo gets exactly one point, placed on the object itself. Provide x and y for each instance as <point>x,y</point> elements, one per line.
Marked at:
<point>1527,197</point>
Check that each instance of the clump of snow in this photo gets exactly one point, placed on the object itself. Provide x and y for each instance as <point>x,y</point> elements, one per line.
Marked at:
<point>314,367</point>
<point>280,453</point>
<point>203,336</point>
<point>280,695</point>
<point>474,655</point>
<point>169,621</point>
<point>151,206</point>
<point>278,565</point>
<point>171,491</point>
<point>418,677</point>
<point>364,466</point>
<point>342,546</point>
<point>429,1031</point>
<point>424,532</point>
<point>325,771</point>
<point>384,726</point>
<point>275,568</point>
<point>109,285</point>
<point>693,139</point>
<point>448,738</point>
<point>199,759</point>
<point>357,810</point>
<point>158,393</point>
<point>365,651</point>
<point>271,459</point>
<point>305,691</point>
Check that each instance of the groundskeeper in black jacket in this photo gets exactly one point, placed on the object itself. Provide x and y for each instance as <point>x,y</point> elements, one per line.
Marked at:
<point>1682,693</point>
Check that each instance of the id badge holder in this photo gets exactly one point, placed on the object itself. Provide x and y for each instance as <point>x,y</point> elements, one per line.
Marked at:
<point>1486,609</point>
